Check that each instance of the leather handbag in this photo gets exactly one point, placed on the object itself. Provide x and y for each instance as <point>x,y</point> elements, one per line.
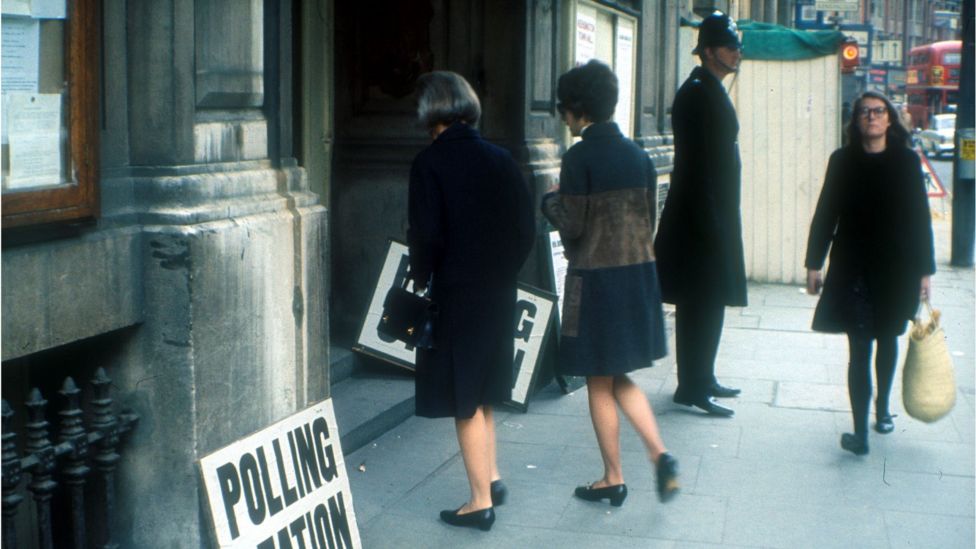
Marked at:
<point>928,379</point>
<point>409,317</point>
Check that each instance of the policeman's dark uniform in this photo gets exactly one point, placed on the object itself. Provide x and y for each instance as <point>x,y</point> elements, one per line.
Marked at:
<point>699,241</point>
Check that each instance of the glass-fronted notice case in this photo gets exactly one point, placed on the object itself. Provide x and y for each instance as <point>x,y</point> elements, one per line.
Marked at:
<point>49,143</point>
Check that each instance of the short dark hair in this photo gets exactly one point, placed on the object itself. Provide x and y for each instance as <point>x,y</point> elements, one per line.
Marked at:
<point>445,97</point>
<point>589,90</point>
<point>897,133</point>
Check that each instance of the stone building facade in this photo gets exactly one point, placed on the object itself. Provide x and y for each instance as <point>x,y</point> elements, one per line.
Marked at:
<point>253,163</point>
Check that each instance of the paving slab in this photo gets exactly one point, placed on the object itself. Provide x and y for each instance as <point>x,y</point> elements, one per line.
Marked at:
<point>773,476</point>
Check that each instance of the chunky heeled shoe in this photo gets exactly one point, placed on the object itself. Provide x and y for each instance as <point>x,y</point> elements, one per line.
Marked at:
<point>616,493</point>
<point>884,424</point>
<point>854,444</point>
<point>667,477</point>
<point>481,519</point>
<point>499,493</point>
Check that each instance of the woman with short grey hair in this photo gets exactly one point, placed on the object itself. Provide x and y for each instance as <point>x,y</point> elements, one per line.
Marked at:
<point>445,97</point>
<point>471,227</point>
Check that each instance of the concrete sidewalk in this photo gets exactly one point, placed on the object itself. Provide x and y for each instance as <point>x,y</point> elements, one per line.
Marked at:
<point>772,476</point>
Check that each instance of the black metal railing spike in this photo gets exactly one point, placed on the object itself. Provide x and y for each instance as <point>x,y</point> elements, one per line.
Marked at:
<point>75,442</point>
<point>11,478</point>
<point>106,459</point>
<point>71,460</point>
<point>39,447</point>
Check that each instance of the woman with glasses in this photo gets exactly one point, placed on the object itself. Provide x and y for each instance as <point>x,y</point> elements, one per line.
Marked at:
<point>471,228</point>
<point>612,322</point>
<point>873,215</point>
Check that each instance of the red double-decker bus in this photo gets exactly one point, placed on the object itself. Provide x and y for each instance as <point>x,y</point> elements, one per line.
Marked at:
<point>932,80</point>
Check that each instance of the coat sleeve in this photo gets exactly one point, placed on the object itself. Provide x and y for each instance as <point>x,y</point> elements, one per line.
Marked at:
<point>425,232</point>
<point>920,221</point>
<point>567,209</point>
<point>825,217</point>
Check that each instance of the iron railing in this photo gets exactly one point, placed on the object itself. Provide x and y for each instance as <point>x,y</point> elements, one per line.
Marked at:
<point>60,470</point>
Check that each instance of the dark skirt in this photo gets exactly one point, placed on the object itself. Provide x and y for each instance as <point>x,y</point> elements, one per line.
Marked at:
<point>474,355</point>
<point>620,322</point>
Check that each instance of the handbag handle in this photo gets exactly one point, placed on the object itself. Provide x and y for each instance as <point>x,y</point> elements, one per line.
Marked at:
<point>425,291</point>
<point>920,328</point>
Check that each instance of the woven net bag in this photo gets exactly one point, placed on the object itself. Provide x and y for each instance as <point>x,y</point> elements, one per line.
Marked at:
<point>928,379</point>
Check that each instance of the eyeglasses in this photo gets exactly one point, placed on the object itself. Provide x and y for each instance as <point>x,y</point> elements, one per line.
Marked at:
<point>878,112</point>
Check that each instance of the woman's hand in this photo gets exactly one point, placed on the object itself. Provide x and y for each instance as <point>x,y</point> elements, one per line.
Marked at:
<point>814,282</point>
<point>925,288</point>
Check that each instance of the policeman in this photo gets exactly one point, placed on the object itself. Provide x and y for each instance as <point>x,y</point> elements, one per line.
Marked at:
<point>699,243</point>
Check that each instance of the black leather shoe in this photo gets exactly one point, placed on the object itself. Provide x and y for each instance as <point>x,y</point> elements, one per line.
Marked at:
<point>481,519</point>
<point>667,477</point>
<point>616,493</point>
<point>884,425</point>
<point>498,493</point>
<point>706,404</point>
<point>721,391</point>
<point>854,444</point>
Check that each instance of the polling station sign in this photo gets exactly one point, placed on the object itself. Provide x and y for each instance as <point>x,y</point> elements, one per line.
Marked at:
<point>284,487</point>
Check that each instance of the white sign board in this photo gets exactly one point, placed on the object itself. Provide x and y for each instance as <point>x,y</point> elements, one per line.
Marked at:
<point>837,5</point>
<point>284,486</point>
<point>560,265</point>
<point>624,69</point>
<point>533,315</point>
<point>886,51</point>
<point>394,272</point>
<point>585,35</point>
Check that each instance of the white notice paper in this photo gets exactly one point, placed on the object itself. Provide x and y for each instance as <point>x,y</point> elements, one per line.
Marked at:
<point>33,127</point>
<point>19,54</point>
<point>48,9</point>
<point>585,37</point>
<point>15,7</point>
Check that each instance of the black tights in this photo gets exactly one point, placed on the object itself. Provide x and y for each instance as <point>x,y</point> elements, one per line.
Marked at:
<point>859,377</point>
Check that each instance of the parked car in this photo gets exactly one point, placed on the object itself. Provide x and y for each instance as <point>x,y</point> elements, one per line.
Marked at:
<point>940,137</point>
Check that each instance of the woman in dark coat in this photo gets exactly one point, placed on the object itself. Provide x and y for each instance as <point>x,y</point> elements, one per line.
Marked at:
<point>612,320</point>
<point>873,214</point>
<point>471,228</point>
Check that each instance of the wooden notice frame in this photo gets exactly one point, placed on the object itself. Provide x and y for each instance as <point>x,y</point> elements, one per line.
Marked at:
<point>558,265</point>
<point>535,311</point>
<point>77,197</point>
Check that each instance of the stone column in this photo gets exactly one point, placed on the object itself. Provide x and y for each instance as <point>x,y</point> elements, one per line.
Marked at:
<point>233,247</point>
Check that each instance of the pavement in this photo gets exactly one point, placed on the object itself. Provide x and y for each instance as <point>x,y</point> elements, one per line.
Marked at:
<point>772,476</point>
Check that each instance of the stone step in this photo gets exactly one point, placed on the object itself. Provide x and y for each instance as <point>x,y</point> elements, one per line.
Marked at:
<point>370,398</point>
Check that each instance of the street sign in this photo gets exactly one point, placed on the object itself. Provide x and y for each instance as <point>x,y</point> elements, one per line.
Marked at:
<point>933,185</point>
<point>284,486</point>
<point>836,5</point>
<point>887,51</point>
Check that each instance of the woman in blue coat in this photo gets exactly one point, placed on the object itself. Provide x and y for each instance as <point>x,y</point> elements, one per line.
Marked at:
<point>471,228</point>
<point>612,322</point>
<point>873,215</point>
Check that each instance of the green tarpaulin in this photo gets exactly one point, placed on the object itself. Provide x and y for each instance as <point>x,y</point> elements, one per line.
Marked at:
<point>768,42</point>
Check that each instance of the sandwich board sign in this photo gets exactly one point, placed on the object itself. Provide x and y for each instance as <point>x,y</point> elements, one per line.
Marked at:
<point>283,487</point>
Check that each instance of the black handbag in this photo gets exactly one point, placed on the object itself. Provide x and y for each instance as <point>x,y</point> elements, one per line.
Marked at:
<point>409,318</point>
